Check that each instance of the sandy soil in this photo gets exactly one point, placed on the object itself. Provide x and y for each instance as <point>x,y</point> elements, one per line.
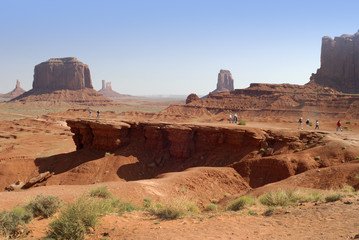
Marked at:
<point>24,141</point>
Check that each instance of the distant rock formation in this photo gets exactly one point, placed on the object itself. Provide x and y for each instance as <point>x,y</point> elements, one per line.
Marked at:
<point>108,92</point>
<point>62,73</point>
<point>225,81</point>
<point>192,97</point>
<point>14,93</point>
<point>63,80</point>
<point>339,67</point>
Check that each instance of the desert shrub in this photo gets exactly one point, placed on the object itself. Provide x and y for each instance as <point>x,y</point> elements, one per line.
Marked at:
<point>275,198</point>
<point>211,207</point>
<point>214,201</point>
<point>101,192</point>
<point>347,189</point>
<point>241,122</point>
<point>252,212</point>
<point>311,124</point>
<point>356,177</point>
<point>262,150</point>
<point>269,211</point>
<point>75,220</point>
<point>333,197</point>
<point>174,209</point>
<point>299,195</point>
<point>12,224</point>
<point>227,194</point>
<point>346,128</point>
<point>44,206</point>
<point>344,147</point>
<point>240,203</point>
<point>348,122</point>
<point>298,150</point>
<point>317,158</point>
<point>107,154</point>
<point>123,206</point>
<point>356,158</point>
<point>147,202</point>
<point>24,214</point>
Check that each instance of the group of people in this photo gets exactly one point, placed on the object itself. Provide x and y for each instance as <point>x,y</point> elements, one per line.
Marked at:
<point>300,126</point>
<point>98,113</point>
<point>235,118</point>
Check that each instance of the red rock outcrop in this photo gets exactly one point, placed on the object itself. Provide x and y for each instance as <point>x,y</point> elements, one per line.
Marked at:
<point>339,67</point>
<point>62,73</point>
<point>225,81</point>
<point>279,102</point>
<point>192,97</point>
<point>173,147</point>
<point>14,93</point>
<point>107,91</point>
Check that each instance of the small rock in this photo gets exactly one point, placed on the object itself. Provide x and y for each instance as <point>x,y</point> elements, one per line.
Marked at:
<point>356,236</point>
<point>348,202</point>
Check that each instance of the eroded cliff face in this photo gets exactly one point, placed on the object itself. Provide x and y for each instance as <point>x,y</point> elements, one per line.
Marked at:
<point>339,67</point>
<point>62,73</point>
<point>259,156</point>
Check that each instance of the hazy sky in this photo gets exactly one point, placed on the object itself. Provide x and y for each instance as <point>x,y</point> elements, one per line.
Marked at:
<point>171,46</point>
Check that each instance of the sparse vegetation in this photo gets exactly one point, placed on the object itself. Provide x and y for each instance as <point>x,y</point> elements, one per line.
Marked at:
<point>346,128</point>
<point>317,158</point>
<point>241,122</point>
<point>211,207</point>
<point>107,154</point>
<point>356,158</point>
<point>44,206</point>
<point>240,203</point>
<point>297,150</point>
<point>311,124</point>
<point>356,177</point>
<point>269,211</point>
<point>147,202</point>
<point>101,192</point>
<point>344,147</point>
<point>262,150</point>
<point>288,197</point>
<point>333,197</point>
<point>12,224</point>
<point>214,201</point>
<point>348,122</point>
<point>174,209</point>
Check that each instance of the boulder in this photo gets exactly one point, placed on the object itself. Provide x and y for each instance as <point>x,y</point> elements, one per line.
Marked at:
<point>339,68</point>
<point>38,179</point>
<point>62,73</point>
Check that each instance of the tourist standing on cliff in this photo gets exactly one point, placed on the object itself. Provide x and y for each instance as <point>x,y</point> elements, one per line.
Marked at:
<point>316,124</point>
<point>300,126</point>
<point>307,122</point>
<point>235,118</point>
<point>230,118</point>
<point>339,126</point>
<point>98,114</point>
<point>90,112</point>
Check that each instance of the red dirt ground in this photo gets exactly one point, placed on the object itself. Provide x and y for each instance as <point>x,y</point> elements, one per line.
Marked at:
<point>24,143</point>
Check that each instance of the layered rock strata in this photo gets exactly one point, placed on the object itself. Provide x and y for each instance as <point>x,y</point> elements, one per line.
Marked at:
<point>62,73</point>
<point>339,68</point>
<point>171,147</point>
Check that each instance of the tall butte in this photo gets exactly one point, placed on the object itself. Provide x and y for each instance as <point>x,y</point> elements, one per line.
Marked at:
<point>63,80</point>
<point>14,93</point>
<point>224,82</point>
<point>339,68</point>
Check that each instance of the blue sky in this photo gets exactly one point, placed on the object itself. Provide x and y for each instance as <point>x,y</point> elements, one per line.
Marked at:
<point>149,47</point>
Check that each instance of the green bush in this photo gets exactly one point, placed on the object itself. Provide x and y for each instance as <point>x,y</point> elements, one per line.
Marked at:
<point>269,211</point>
<point>348,122</point>
<point>147,202</point>
<point>214,201</point>
<point>262,150</point>
<point>346,128</point>
<point>311,124</point>
<point>24,215</point>
<point>123,206</point>
<point>44,206</point>
<point>12,224</point>
<point>175,209</point>
<point>298,150</point>
<point>356,158</point>
<point>317,158</point>
<point>211,207</point>
<point>101,192</point>
<point>75,220</point>
<point>333,197</point>
<point>275,198</point>
<point>107,154</point>
<point>241,122</point>
<point>240,203</point>
<point>348,189</point>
